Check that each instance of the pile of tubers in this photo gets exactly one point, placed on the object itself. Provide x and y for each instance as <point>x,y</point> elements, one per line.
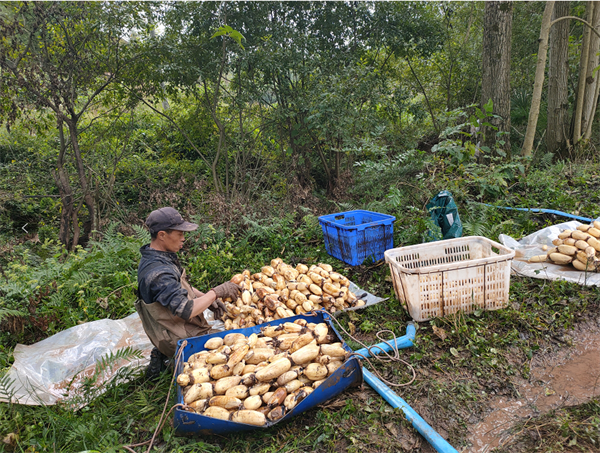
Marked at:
<point>281,291</point>
<point>578,247</point>
<point>259,378</point>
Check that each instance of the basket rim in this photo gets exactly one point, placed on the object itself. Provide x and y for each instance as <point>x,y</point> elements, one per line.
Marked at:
<point>385,218</point>
<point>507,255</point>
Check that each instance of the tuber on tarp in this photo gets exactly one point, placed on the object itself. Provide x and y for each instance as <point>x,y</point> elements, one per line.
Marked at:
<point>532,245</point>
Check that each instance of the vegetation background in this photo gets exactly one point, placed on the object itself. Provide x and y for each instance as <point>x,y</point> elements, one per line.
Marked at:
<point>254,118</point>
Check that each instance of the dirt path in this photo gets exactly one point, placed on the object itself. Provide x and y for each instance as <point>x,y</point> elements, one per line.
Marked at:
<point>569,377</point>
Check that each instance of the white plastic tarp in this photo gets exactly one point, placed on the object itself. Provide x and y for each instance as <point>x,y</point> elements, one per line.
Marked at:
<point>532,245</point>
<point>54,370</point>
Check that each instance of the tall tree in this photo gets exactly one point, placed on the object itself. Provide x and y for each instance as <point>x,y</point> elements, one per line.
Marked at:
<point>60,57</point>
<point>538,84</point>
<point>497,29</point>
<point>309,80</point>
<point>557,130</point>
<point>590,96</point>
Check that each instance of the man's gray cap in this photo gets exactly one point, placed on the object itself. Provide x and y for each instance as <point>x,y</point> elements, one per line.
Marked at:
<point>168,219</point>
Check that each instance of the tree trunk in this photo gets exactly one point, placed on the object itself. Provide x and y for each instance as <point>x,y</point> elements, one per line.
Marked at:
<point>536,98</point>
<point>591,80</point>
<point>213,106</point>
<point>497,28</point>
<point>583,70</point>
<point>88,199</point>
<point>64,189</point>
<point>558,76</point>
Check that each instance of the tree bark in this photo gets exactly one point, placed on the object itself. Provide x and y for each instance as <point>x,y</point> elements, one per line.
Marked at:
<point>88,199</point>
<point>64,189</point>
<point>591,79</point>
<point>536,98</point>
<point>497,29</point>
<point>558,76</point>
<point>583,70</point>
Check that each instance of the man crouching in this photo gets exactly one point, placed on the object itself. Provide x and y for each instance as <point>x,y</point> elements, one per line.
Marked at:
<point>169,307</point>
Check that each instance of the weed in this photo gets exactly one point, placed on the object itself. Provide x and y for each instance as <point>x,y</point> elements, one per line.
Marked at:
<point>575,429</point>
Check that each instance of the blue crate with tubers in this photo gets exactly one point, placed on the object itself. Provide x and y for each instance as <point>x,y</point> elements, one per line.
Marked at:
<point>188,422</point>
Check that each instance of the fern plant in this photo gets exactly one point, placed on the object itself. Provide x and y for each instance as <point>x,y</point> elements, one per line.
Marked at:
<point>6,312</point>
<point>84,388</point>
<point>479,221</point>
<point>6,387</point>
<point>62,290</point>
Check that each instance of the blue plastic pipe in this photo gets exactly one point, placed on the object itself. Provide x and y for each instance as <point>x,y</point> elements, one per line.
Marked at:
<point>438,442</point>
<point>547,211</point>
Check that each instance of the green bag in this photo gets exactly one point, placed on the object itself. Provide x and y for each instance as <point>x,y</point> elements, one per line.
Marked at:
<point>444,214</point>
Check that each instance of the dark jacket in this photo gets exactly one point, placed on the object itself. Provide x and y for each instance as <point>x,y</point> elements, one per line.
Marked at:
<point>159,280</point>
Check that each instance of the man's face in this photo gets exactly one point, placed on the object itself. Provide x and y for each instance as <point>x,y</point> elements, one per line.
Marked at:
<point>172,241</point>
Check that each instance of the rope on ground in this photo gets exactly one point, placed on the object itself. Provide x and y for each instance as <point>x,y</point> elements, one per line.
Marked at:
<point>163,415</point>
<point>395,357</point>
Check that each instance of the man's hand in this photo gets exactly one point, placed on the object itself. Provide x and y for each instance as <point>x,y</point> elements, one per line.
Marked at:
<point>218,308</point>
<point>227,290</point>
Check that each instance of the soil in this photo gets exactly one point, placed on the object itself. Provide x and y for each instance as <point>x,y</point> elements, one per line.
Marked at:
<point>567,377</point>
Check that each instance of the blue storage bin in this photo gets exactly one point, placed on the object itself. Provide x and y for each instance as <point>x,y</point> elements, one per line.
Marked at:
<point>190,423</point>
<point>354,236</point>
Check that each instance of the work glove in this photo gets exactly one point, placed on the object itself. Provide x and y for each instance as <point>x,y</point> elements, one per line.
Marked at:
<point>227,290</point>
<point>218,309</point>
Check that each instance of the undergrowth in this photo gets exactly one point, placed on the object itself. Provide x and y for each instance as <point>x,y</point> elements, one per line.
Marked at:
<point>460,361</point>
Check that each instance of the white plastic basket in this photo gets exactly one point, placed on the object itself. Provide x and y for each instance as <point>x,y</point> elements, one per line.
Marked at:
<point>439,278</point>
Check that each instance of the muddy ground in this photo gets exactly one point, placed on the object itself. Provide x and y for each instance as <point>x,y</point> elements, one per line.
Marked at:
<point>564,377</point>
<point>561,376</point>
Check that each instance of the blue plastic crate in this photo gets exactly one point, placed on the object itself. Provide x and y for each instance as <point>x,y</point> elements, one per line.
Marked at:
<point>354,236</point>
<point>348,375</point>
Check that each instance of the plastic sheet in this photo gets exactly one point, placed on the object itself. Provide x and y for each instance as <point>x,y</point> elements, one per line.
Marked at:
<point>369,298</point>
<point>54,370</point>
<point>532,245</point>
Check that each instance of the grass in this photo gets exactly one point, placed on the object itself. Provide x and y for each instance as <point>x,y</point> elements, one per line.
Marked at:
<point>450,390</point>
<point>570,429</point>
<point>461,361</point>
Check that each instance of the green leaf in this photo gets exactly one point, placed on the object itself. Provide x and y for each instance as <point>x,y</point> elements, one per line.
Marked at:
<point>489,106</point>
<point>454,352</point>
<point>226,30</point>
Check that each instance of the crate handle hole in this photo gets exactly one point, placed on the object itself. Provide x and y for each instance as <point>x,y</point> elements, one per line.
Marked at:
<point>339,217</point>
